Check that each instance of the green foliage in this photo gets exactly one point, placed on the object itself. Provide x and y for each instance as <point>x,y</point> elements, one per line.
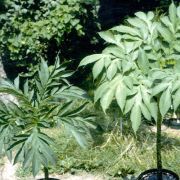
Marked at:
<point>45,103</point>
<point>28,27</point>
<point>140,65</point>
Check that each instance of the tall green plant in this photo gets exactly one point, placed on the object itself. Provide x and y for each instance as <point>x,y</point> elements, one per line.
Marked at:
<point>48,103</point>
<point>140,68</point>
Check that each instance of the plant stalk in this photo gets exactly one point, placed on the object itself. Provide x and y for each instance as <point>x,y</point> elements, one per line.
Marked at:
<point>46,173</point>
<point>158,146</point>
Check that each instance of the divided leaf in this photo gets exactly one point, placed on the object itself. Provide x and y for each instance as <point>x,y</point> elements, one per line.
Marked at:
<point>165,102</point>
<point>121,94</point>
<point>97,68</point>
<point>135,117</point>
<point>91,59</point>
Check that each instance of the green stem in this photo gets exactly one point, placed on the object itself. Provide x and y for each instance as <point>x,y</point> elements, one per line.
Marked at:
<point>46,173</point>
<point>158,146</point>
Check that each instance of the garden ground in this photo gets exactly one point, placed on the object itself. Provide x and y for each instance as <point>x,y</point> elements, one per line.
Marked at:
<point>120,158</point>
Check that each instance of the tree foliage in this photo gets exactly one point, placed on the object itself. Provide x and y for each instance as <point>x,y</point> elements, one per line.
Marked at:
<point>29,28</point>
<point>140,65</point>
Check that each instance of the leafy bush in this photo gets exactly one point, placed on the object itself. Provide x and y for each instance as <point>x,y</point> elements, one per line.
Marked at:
<point>29,28</point>
<point>48,103</point>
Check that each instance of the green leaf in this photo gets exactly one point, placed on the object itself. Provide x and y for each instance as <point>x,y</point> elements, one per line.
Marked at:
<point>19,156</point>
<point>76,111</point>
<point>127,66</point>
<point>159,88</point>
<point>91,59</point>
<point>107,99</point>
<point>100,91</point>
<point>121,94</point>
<point>167,23</point>
<point>136,22</point>
<point>128,81</point>
<point>177,66</point>
<point>108,36</point>
<point>143,61</point>
<point>178,11</point>
<point>141,15</point>
<point>16,82</point>
<point>129,104</point>
<point>165,33</point>
<point>176,85</point>
<point>66,107</point>
<point>165,102</point>
<point>97,68</point>
<point>26,88</point>
<point>116,51</point>
<point>80,137</point>
<point>43,72</point>
<point>28,158</point>
<point>172,13</point>
<point>135,117</point>
<point>36,164</point>
<point>146,97</point>
<point>145,112</point>
<point>112,70</point>
<point>176,99</point>
<point>150,15</point>
<point>127,29</point>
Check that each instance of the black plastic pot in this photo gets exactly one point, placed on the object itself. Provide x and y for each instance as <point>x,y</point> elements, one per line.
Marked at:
<point>49,179</point>
<point>173,122</point>
<point>152,175</point>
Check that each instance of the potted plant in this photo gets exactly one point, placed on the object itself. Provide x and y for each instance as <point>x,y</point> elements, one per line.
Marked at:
<point>44,101</point>
<point>140,70</point>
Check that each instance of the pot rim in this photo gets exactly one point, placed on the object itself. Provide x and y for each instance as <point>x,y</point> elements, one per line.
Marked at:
<point>156,170</point>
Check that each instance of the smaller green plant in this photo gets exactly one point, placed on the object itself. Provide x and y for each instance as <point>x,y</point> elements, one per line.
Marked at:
<point>46,103</point>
